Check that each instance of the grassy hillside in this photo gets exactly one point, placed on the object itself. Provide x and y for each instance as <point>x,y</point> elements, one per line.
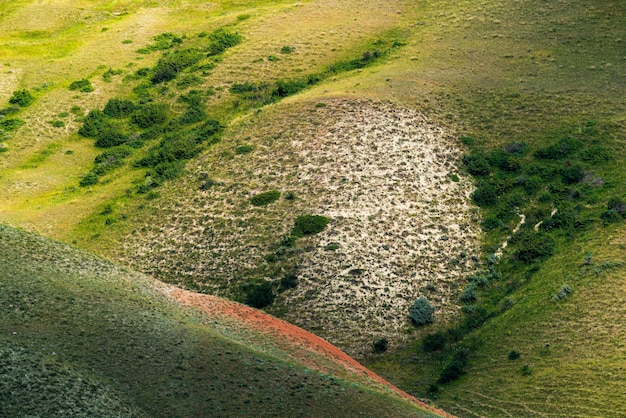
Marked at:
<point>384,118</point>
<point>82,337</point>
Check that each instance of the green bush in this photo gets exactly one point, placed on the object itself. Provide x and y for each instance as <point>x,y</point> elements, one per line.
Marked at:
<point>485,195</point>
<point>265,198</point>
<point>89,179</point>
<point>208,131</point>
<point>469,294</point>
<point>286,49</point>
<point>110,137</point>
<point>309,225</point>
<point>380,346</point>
<point>195,113</point>
<point>150,115</point>
<point>476,165</point>
<point>532,246</point>
<point>289,281</point>
<point>421,312</point>
<point>10,124</point>
<point>514,355</point>
<point>171,64</point>
<point>434,342</point>
<point>119,108</point>
<point>573,174</point>
<point>95,122</point>
<point>260,295</point>
<point>83,85</point>
<point>222,39</point>
<point>110,159</point>
<point>561,149</point>
<point>22,98</point>
<point>455,369</point>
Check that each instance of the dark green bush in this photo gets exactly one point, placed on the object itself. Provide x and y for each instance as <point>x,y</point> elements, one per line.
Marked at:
<point>150,115</point>
<point>10,124</point>
<point>532,184</point>
<point>561,149</point>
<point>110,137</point>
<point>532,246</point>
<point>260,295</point>
<point>195,113</point>
<point>222,39</point>
<point>83,85</point>
<point>514,355</point>
<point>110,159</point>
<point>367,58</point>
<point>469,294</point>
<point>286,49</point>
<point>309,225</point>
<point>485,195</point>
<point>171,64</point>
<point>119,108</point>
<point>573,174</point>
<point>244,149</point>
<point>421,312</point>
<point>265,198</point>
<point>616,210</point>
<point>595,155</point>
<point>455,369</point>
<point>380,346</point>
<point>168,171</point>
<point>288,281</point>
<point>89,179</point>
<point>434,342</point>
<point>489,224</point>
<point>21,98</point>
<point>208,131</point>
<point>164,41</point>
<point>95,122</point>
<point>476,165</point>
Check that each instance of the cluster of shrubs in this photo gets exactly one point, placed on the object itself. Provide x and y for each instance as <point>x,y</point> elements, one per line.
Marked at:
<point>262,294</point>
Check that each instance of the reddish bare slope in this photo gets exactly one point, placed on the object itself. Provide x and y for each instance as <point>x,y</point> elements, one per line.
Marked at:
<point>284,340</point>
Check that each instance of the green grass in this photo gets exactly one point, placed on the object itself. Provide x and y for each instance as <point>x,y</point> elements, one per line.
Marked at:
<point>87,338</point>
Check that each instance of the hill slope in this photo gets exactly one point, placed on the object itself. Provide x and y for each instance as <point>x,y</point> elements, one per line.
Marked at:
<point>82,337</point>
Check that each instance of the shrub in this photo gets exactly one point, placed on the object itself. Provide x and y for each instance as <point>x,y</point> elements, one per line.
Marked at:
<point>150,115</point>
<point>119,108</point>
<point>22,98</point>
<point>93,123</point>
<point>110,159</point>
<point>10,124</point>
<point>244,149</point>
<point>455,369</point>
<point>110,137</point>
<point>195,113</point>
<point>309,225</point>
<point>421,312</point>
<point>526,370</point>
<point>286,49</point>
<point>221,40</point>
<point>489,224</point>
<point>288,281</point>
<point>265,198</point>
<point>573,174</point>
<point>83,85</point>
<point>380,346</point>
<point>563,293</point>
<point>485,195</point>
<point>434,342</point>
<point>476,165</point>
<point>89,179</point>
<point>260,295</point>
<point>514,355</point>
<point>469,294</point>
<point>561,149</point>
<point>208,130</point>
<point>533,246</point>
<point>171,64</point>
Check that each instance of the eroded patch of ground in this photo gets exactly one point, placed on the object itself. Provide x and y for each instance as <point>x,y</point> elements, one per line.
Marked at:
<point>387,178</point>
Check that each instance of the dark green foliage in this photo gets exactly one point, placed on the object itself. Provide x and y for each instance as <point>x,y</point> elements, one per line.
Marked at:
<point>162,42</point>
<point>244,149</point>
<point>490,224</point>
<point>485,195</point>
<point>110,137</point>
<point>89,179</point>
<point>455,369</point>
<point>514,355</point>
<point>260,295</point>
<point>208,131</point>
<point>380,346</point>
<point>10,124</point>
<point>95,122</point>
<point>222,39</point>
<point>22,98</point>
<point>526,370</point>
<point>289,281</point>
<point>516,148</point>
<point>150,115</point>
<point>532,246</point>
<point>573,174</point>
<point>561,149</point>
<point>119,108</point>
<point>57,123</point>
<point>286,49</point>
<point>83,85</point>
<point>171,64</point>
<point>247,87</point>
<point>189,80</point>
<point>421,312</point>
<point>265,198</point>
<point>595,154</point>
<point>367,58</point>
<point>476,165</point>
<point>195,113</point>
<point>285,88</point>
<point>469,294</point>
<point>532,184</point>
<point>309,225</point>
<point>434,342</point>
<point>167,171</point>
<point>111,159</point>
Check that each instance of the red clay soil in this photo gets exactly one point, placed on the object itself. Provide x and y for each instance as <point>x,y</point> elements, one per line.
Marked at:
<point>294,341</point>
